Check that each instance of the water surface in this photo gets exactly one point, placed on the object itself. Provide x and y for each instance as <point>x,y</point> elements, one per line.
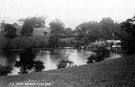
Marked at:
<point>49,57</point>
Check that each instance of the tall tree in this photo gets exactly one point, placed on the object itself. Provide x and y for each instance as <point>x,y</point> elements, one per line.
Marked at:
<point>57,27</point>
<point>27,30</point>
<point>107,28</point>
<point>128,35</point>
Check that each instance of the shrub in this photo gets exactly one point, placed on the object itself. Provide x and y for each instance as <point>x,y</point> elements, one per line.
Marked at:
<point>64,62</point>
<point>99,55</point>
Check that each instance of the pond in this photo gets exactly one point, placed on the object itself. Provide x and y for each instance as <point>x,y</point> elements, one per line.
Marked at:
<point>49,57</point>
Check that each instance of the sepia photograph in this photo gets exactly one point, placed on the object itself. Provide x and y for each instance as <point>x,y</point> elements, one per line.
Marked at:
<point>67,43</point>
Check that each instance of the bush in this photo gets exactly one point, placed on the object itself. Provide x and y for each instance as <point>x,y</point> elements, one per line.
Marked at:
<point>99,55</point>
<point>62,63</point>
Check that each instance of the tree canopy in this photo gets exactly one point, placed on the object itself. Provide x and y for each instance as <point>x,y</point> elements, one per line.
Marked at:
<point>106,28</point>
<point>90,31</point>
<point>68,32</point>
<point>57,27</point>
<point>27,30</point>
<point>127,35</point>
<point>30,23</point>
<point>35,22</point>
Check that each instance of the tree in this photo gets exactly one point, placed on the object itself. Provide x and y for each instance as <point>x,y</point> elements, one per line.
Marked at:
<point>85,32</point>
<point>57,27</point>
<point>57,31</point>
<point>30,23</point>
<point>10,31</point>
<point>106,28</point>
<point>128,35</point>
<point>53,41</point>
<point>27,30</point>
<point>68,32</point>
<point>35,22</point>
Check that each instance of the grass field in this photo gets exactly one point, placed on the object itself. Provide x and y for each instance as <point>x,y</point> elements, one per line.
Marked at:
<point>118,72</point>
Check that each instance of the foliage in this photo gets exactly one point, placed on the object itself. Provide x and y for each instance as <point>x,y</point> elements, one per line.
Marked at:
<point>107,28</point>
<point>71,41</point>
<point>30,23</point>
<point>68,32</point>
<point>57,27</point>
<point>57,32</point>
<point>10,31</point>
<point>90,31</point>
<point>53,41</point>
<point>39,66</point>
<point>22,42</point>
<point>85,31</point>
<point>28,62</point>
<point>99,55</point>
<point>39,41</point>
<point>128,35</point>
<point>35,22</point>
<point>63,63</point>
<point>27,30</point>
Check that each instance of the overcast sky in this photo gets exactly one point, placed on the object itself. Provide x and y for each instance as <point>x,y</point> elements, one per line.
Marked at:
<point>71,12</point>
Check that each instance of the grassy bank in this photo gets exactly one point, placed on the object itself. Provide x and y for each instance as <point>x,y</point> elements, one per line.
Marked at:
<point>118,72</point>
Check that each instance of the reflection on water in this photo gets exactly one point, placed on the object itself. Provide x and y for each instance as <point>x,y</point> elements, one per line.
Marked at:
<point>28,63</point>
<point>7,58</point>
<point>78,57</point>
<point>49,57</point>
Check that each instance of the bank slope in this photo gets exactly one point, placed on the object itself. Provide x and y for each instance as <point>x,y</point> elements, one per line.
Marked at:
<point>118,72</point>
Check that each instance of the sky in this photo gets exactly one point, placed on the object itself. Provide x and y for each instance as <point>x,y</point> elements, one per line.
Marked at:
<point>71,12</point>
